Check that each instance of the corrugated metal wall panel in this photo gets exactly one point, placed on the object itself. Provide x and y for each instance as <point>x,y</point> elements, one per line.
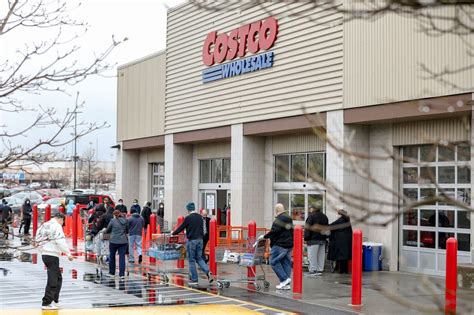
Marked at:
<point>141,99</point>
<point>388,53</point>
<point>422,132</point>
<point>301,142</point>
<point>307,70</point>
<point>212,150</point>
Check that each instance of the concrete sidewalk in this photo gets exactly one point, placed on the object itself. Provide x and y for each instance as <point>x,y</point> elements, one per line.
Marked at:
<point>382,293</point>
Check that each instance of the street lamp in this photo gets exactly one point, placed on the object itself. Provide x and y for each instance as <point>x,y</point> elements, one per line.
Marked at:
<point>75,147</point>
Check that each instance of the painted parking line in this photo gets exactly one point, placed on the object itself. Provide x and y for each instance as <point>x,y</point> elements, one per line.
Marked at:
<point>23,287</point>
<point>147,310</point>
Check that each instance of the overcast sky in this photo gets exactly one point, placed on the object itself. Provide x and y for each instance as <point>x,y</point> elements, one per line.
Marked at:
<point>143,22</point>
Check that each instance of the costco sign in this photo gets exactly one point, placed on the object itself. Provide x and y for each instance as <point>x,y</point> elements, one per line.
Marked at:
<point>253,38</point>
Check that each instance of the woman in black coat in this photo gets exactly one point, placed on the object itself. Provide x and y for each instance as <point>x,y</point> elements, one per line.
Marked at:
<point>340,241</point>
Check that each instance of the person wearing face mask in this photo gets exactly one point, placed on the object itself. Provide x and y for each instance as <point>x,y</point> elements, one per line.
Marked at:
<point>135,206</point>
<point>121,207</point>
<point>26,211</point>
<point>146,213</point>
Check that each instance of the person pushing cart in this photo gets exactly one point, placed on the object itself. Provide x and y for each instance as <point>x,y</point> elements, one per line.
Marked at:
<point>195,230</point>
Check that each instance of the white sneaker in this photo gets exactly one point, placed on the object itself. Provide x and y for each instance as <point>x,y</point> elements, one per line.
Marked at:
<point>49,307</point>
<point>281,286</point>
<point>286,287</point>
<point>287,281</point>
<point>58,305</point>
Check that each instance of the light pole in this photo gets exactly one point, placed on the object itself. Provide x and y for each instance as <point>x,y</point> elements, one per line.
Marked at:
<point>75,147</point>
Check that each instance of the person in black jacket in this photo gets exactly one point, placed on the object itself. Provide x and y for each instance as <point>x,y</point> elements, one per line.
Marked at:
<point>98,220</point>
<point>146,213</point>
<point>205,239</point>
<point>194,226</point>
<point>121,207</point>
<point>281,242</point>
<point>26,211</point>
<point>315,237</point>
<point>340,241</point>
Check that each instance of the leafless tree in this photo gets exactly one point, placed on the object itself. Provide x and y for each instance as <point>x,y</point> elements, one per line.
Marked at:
<point>49,64</point>
<point>88,168</point>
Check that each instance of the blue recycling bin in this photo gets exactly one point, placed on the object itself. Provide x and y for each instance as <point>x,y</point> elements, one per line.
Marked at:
<point>371,256</point>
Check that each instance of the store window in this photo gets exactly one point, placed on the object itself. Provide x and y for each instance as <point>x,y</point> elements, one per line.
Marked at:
<point>214,171</point>
<point>157,184</point>
<point>297,168</point>
<point>430,172</point>
<point>296,171</point>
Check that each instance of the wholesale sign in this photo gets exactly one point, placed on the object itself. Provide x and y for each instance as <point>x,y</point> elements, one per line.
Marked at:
<point>253,38</point>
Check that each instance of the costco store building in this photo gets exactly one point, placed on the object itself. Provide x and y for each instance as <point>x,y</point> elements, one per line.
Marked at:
<point>219,118</point>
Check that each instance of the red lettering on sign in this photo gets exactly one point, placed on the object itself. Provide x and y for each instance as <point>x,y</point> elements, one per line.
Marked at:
<point>256,36</point>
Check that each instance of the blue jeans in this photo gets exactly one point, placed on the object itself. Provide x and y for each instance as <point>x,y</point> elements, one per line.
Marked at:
<point>280,260</point>
<point>121,248</point>
<point>194,253</point>
<point>134,239</point>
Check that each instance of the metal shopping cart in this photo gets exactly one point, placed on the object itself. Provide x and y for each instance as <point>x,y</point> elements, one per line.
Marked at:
<point>165,247</point>
<point>101,250</point>
<point>251,254</point>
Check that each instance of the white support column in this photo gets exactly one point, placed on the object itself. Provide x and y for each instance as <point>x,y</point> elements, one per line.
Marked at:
<point>334,160</point>
<point>472,180</point>
<point>247,177</point>
<point>178,178</point>
<point>268,188</point>
<point>127,170</point>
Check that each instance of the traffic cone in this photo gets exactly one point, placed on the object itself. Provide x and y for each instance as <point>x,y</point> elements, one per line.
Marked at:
<point>80,229</point>
<point>143,240</point>
<point>148,236</point>
<point>158,229</point>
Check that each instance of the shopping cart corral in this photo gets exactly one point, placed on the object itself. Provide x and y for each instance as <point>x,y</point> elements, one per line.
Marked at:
<point>251,254</point>
<point>166,247</point>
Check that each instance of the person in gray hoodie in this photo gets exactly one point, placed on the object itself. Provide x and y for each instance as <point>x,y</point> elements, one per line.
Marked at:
<point>118,229</point>
<point>135,223</point>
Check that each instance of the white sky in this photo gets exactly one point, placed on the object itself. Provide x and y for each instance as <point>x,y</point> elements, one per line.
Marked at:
<point>143,22</point>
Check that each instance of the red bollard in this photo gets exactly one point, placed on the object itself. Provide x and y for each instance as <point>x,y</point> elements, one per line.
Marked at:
<point>252,236</point>
<point>75,216</point>
<point>143,242</point>
<point>47,213</point>
<point>148,236</point>
<point>212,246</point>
<point>153,223</point>
<point>357,268</point>
<point>180,262</point>
<point>228,221</point>
<point>298,259</point>
<point>158,229</point>
<point>451,275</point>
<point>35,219</point>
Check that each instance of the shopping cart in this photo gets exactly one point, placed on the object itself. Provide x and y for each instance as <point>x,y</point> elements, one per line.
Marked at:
<point>165,247</point>
<point>252,254</point>
<point>101,250</point>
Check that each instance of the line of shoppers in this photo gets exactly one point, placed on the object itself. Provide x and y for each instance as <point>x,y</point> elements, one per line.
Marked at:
<point>317,231</point>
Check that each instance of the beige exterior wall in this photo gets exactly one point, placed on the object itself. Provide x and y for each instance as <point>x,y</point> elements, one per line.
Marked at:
<point>141,98</point>
<point>307,69</point>
<point>421,132</point>
<point>212,150</point>
<point>383,61</point>
<point>294,143</point>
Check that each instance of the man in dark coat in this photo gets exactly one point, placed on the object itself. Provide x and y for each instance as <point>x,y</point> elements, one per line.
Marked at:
<point>121,207</point>
<point>281,243</point>
<point>315,237</point>
<point>205,239</point>
<point>146,213</point>
<point>26,212</point>
<point>340,241</point>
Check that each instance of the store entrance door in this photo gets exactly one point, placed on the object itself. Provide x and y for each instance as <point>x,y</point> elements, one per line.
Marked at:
<point>216,203</point>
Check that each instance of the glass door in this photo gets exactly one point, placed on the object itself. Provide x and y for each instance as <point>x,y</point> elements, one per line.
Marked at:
<point>207,200</point>
<point>298,202</point>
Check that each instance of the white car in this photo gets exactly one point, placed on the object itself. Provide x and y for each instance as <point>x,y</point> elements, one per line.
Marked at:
<point>32,195</point>
<point>54,202</point>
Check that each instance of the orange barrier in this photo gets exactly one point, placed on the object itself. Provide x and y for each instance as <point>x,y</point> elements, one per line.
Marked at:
<point>80,229</point>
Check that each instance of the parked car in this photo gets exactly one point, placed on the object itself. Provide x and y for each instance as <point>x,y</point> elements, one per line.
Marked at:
<point>4,191</point>
<point>32,195</point>
<point>34,185</point>
<point>15,204</point>
<point>54,202</point>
